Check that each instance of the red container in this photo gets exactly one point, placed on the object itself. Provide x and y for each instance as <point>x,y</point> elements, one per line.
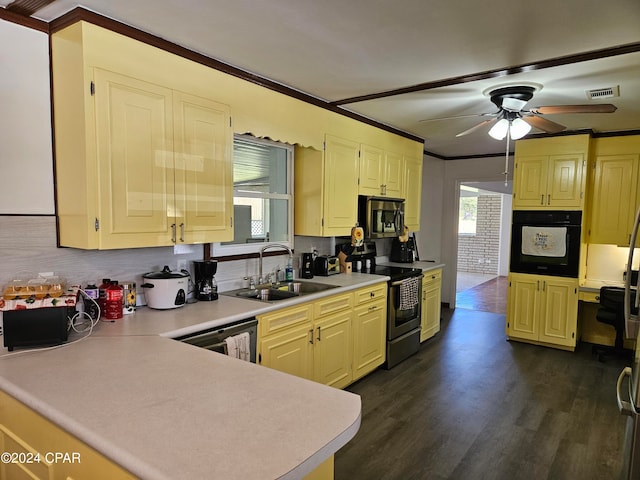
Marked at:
<point>113,301</point>
<point>102,296</point>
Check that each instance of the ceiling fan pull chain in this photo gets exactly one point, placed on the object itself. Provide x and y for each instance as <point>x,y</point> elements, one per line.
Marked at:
<point>506,160</point>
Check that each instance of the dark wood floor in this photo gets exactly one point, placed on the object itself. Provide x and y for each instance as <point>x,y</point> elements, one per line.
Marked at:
<point>471,405</point>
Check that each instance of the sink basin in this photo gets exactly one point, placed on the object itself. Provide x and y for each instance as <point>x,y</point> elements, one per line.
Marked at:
<point>281,292</point>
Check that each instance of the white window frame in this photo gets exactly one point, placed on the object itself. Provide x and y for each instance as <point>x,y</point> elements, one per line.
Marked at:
<point>220,250</point>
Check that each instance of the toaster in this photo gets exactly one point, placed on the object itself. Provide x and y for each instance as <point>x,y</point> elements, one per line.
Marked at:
<point>325,265</point>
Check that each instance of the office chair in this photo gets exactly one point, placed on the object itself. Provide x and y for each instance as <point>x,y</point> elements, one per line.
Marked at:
<point>611,312</point>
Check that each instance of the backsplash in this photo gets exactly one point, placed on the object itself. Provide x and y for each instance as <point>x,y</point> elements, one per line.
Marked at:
<point>28,244</point>
<point>608,262</point>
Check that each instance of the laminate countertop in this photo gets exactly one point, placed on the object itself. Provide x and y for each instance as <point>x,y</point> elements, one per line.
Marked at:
<point>163,409</point>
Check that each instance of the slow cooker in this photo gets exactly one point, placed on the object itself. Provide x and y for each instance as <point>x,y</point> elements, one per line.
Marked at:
<point>166,289</point>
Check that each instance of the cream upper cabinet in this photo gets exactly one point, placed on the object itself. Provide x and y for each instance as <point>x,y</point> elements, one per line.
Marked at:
<point>543,310</point>
<point>550,173</point>
<point>615,190</point>
<point>381,172</point>
<point>412,192</point>
<point>138,163</point>
<point>326,188</point>
<point>431,304</point>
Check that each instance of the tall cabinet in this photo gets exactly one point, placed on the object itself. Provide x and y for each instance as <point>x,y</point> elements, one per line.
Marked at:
<point>139,161</point>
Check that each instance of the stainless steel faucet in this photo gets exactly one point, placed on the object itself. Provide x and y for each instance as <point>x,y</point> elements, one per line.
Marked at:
<point>262,250</point>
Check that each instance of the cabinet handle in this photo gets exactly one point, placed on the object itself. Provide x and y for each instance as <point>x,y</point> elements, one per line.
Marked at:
<point>173,232</point>
<point>542,199</point>
<point>319,334</point>
<point>372,308</point>
<point>182,232</point>
<point>544,285</point>
<point>311,336</point>
<point>537,285</point>
<point>372,294</point>
<point>549,199</point>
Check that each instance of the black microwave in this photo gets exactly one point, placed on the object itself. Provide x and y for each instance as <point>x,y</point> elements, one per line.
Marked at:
<point>381,217</point>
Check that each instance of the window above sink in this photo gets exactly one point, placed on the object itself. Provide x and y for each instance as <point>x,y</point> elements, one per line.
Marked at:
<point>262,196</point>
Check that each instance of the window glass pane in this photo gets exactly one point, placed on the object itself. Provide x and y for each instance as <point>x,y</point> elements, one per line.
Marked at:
<point>259,168</point>
<point>468,215</point>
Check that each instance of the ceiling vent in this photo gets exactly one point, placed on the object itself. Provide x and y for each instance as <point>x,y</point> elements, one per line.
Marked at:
<point>608,92</point>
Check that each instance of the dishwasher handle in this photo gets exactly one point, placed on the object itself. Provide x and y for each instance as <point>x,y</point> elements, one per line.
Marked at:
<point>626,408</point>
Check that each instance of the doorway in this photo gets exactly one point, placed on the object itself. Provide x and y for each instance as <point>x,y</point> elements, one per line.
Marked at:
<point>484,220</point>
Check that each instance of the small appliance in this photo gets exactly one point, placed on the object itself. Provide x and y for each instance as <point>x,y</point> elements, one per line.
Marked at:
<point>325,265</point>
<point>306,271</point>
<point>206,286</point>
<point>165,289</point>
<point>402,252</point>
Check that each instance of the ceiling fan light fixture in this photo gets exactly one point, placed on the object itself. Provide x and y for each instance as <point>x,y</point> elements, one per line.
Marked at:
<point>519,128</point>
<point>499,130</point>
<point>513,104</point>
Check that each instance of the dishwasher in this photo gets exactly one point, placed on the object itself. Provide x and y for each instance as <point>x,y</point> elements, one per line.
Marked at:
<point>214,339</point>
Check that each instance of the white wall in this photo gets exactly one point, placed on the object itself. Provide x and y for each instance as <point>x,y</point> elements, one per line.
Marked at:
<point>26,168</point>
<point>505,235</point>
<point>429,237</point>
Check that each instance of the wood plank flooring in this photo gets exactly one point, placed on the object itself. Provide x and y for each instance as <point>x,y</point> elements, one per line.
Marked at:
<point>471,405</point>
<point>489,296</point>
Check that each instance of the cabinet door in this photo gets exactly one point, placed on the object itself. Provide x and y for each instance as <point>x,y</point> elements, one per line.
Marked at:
<point>134,132</point>
<point>369,337</point>
<point>332,350</point>
<point>530,181</point>
<point>431,300</point>
<point>523,312</point>
<point>393,176</point>
<point>412,192</point>
<point>559,298</point>
<point>614,199</point>
<point>564,181</point>
<point>204,170</point>
<point>290,351</point>
<point>371,170</point>
<point>340,186</point>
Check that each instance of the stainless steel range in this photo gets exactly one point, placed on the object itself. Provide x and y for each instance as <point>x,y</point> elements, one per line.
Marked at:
<point>403,300</point>
<point>403,311</point>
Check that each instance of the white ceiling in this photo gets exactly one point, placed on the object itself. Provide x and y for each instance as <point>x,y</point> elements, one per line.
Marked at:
<point>336,49</point>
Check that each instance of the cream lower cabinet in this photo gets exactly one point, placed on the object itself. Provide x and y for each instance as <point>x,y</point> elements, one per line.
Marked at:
<point>543,310</point>
<point>138,163</point>
<point>27,434</point>
<point>328,341</point>
<point>326,188</point>
<point>369,329</point>
<point>431,304</point>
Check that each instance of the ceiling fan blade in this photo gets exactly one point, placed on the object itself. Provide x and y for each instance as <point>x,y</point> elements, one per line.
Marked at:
<point>543,124</point>
<point>554,109</point>
<point>460,116</point>
<point>476,127</point>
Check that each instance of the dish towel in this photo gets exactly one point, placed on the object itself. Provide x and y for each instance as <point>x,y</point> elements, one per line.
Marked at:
<point>409,293</point>
<point>239,346</point>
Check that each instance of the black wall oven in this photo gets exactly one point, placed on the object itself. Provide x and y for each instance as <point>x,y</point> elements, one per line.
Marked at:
<point>546,242</point>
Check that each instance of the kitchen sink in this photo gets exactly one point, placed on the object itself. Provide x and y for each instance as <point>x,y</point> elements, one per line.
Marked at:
<point>279,292</point>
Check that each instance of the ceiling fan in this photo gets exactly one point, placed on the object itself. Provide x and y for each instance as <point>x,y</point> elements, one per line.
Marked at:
<point>511,118</point>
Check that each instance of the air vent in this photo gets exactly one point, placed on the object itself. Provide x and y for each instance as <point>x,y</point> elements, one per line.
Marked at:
<point>608,92</point>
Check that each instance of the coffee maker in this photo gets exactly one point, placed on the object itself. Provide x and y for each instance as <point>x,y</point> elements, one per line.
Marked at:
<point>306,271</point>
<point>402,252</point>
<point>206,286</point>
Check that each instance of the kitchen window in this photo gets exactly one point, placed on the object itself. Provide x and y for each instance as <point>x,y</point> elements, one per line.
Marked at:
<point>262,196</point>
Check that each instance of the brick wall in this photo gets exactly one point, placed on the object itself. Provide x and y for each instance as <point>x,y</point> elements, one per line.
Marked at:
<point>479,253</point>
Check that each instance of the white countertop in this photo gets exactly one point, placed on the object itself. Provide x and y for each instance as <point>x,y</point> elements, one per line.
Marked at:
<point>163,409</point>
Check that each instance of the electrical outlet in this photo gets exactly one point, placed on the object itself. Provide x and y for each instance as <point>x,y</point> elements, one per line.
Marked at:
<point>182,265</point>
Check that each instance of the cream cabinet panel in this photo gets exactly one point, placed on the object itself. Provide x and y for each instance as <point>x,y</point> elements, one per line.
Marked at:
<point>615,199</point>
<point>24,431</point>
<point>332,350</point>
<point>290,351</point>
<point>412,192</point>
<point>134,136</point>
<point>204,169</point>
<point>381,172</point>
<point>543,309</point>
<point>369,334</point>
<point>326,188</point>
<point>431,304</point>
